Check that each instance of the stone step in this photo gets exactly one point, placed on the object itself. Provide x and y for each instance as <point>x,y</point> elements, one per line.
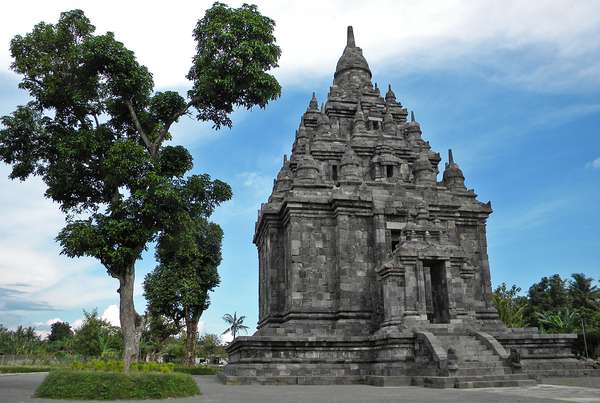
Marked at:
<point>566,372</point>
<point>480,381</point>
<point>292,380</point>
<point>494,384</point>
<point>484,354</point>
<point>480,364</point>
<point>480,371</point>
<point>553,365</point>
<point>504,377</point>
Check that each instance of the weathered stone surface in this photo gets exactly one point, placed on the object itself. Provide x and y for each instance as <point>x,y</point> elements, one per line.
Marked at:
<point>369,266</point>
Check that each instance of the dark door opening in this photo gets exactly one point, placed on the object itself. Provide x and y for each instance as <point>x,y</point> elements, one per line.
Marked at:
<point>436,287</point>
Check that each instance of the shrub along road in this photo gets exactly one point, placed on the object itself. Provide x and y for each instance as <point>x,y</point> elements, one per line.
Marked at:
<point>20,388</point>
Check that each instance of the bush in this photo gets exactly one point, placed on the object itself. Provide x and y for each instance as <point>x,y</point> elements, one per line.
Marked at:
<point>199,370</point>
<point>100,385</point>
<point>117,366</point>
<point>593,344</point>
<point>20,369</point>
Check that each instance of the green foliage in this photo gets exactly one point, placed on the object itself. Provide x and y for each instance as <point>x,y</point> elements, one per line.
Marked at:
<point>97,338</point>
<point>555,305</point>
<point>60,337</point>
<point>562,321</point>
<point>510,305</point>
<point>211,348</point>
<point>198,370</point>
<point>235,324</point>
<point>188,255</point>
<point>188,260</point>
<point>235,49</point>
<point>22,369</point>
<point>592,338</point>
<point>585,298</point>
<point>156,334</point>
<point>550,294</point>
<point>174,350</point>
<point>22,341</point>
<point>99,385</point>
<point>60,331</point>
<point>117,366</point>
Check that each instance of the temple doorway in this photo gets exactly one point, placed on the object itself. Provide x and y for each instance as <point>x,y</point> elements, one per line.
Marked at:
<point>436,290</point>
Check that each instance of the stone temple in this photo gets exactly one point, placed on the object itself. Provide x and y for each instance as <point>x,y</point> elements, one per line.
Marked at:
<point>373,271</point>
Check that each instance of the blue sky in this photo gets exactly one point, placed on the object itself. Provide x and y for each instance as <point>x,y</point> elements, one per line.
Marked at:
<point>513,90</point>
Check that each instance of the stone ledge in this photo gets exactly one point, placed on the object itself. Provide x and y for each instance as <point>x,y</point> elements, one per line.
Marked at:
<point>383,381</point>
<point>534,336</point>
<point>291,380</point>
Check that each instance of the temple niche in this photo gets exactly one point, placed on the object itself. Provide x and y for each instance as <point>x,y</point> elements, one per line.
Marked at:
<point>371,270</point>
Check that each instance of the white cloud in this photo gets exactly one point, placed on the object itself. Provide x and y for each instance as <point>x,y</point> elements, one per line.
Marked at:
<point>227,337</point>
<point>50,322</point>
<point>594,164</point>
<point>32,270</point>
<point>111,315</point>
<point>42,333</point>
<point>42,329</point>
<point>47,323</point>
<point>257,182</point>
<point>409,35</point>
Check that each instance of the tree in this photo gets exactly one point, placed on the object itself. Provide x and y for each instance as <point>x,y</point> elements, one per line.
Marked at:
<point>582,293</point>
<point>59,331</point>
<point>158,329</point>
<point>211,347</point>
<point>60,336</point>
<point>96,337</point>
<point>95,129</point>
<point>235,324</point>
<point>510,305</point>
<point>21,341</point>
<point>549,295</point>
<point>178,288</point>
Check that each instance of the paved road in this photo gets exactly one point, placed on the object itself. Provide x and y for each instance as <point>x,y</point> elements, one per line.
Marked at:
<point>19,388</point>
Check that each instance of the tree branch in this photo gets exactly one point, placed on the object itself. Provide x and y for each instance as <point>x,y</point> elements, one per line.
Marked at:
<point>138,126</point>
<point>176,116</point>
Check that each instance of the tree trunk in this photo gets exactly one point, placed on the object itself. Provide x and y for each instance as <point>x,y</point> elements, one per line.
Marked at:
<point>131,325</point>
<point>191,329</point>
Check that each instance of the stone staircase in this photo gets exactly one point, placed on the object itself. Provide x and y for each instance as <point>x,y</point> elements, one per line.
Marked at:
<point>472,364</point>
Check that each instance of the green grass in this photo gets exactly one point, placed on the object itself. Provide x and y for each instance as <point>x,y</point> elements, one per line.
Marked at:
<point>199,370</point>
<point>101,385</point>
<point>117,366</point>
<point>20,369</point>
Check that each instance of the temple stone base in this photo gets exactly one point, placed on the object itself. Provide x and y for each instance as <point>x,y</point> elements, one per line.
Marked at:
<point>442,356</point>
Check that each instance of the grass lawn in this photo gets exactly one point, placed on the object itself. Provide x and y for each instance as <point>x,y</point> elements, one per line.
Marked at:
<point>101,385</point>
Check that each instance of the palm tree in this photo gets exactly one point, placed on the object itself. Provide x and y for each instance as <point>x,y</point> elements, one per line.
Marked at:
<point>583,293</point>
<point>235,324</point>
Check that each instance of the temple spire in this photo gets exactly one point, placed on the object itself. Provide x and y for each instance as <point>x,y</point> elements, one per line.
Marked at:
<point>412,116</point>
<point>350,38</point>
<point>453,177</point>
<point>313,104</point>
<point>347,72</point>
<point>390,97</point>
